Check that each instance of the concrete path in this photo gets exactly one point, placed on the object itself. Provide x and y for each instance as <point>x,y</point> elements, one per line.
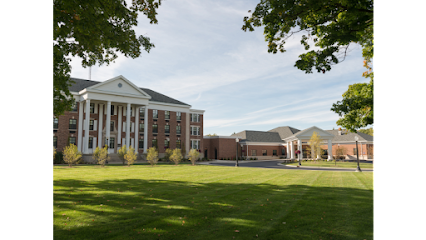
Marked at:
<point>277,164</point>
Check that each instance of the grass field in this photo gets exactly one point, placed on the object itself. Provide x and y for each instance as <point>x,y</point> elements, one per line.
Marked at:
<point>333,164</point>
<point>210,202</point>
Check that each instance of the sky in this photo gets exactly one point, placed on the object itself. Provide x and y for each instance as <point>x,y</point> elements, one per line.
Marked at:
<point>203,58</point>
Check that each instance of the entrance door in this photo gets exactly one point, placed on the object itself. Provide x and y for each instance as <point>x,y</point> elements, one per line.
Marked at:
<point>215,153</point>
<point>205,153</point>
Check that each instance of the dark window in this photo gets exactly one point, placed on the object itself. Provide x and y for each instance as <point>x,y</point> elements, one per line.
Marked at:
<point>90,142</point>
<point>178,115</point>
<point>177,129</point>
<point>154,142</point>
<point>253,152</point>
<point>274,152</point>
<point>155,128</point>
<point>55,123</point>
<point>91,122</point>
<point>324,151</point>
<point>141,127</point>
<point>167,128</point>
<point>72,140</point>
<point>111,127</point>
<point>264,152</point>
<point>141,143</point>
<point>55,141</point>
<point>154,113</point>
<point>73,124</point>
<point>92,108</point>
<point>74,107</point>
<point>283,152</point>
<point>166,143</point>
<point>141,112</point>
<point>111,143</point>
<point>112,110</point>
<point>167,114</point>
<point>178,144</point>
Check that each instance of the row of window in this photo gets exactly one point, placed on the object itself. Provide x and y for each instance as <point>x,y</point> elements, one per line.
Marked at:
<point>264,152</point>
<point>71,140</point>
<point>73,125</point>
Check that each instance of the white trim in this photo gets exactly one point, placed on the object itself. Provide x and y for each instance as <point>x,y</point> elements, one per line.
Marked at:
<point>145,95</point>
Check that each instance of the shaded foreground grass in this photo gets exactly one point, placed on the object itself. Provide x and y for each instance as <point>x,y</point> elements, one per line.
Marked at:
<point>210,202</point>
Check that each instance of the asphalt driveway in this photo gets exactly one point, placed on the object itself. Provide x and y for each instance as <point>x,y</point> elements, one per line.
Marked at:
<point>276,164</point>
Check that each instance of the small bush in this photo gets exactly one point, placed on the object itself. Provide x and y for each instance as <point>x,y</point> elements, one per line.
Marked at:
<point>176,156</point>
<point>193,156</point>
<point>101,155</point>
<point>130,156</point>
<point>123,151</point>
<point>152,156</point>
<point>167,155</point>
<point>59,158</point>
<point>71,154</point>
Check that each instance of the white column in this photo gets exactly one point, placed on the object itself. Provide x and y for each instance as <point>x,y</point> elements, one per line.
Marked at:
<point>145,132</point>
<point>136,129</point>
<point>108,122</point>
<point>128,116</point>
<point>101,119</point>
<point>330,148</point>
<point>288,150</point>
<point>119,124</point>
<point>80,128</point>
<point>86,127</point>
<point>292,150</point>
<point>299,147</point>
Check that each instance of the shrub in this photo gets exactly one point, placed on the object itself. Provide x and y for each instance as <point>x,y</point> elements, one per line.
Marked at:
<point>130,156</point>
<point>169,152</point>
<point>95,155</point>
<point>152,156</point>
<point>71,154</point>
<point>59,158</point>
<point>123,151</point>
<point>176,156</point>
<point>102,155</point>
<point>193,155</point>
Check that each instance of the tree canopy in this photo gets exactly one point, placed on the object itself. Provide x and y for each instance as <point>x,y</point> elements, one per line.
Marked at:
<point>95,31</point>
<point>331,25</point>
<point>368,131</point>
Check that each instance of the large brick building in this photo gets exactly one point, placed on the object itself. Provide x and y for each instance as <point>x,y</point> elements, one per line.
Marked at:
<point>282,142</point>
<point>116,113</point>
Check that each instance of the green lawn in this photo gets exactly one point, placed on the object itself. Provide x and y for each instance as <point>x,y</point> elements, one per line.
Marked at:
<point>210,202</point>
<point>333,164</point>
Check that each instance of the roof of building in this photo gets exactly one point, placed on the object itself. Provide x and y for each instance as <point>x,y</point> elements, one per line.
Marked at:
<point>285,131</point>
<point>349,136</point>
<point>279,133</point>
<point>80,84</point>
<point>258,136</point>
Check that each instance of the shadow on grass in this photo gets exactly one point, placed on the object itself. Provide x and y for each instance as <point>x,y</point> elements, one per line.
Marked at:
<point>159,209</point>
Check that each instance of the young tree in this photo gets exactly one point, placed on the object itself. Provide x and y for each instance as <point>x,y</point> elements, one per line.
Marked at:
<point>315,145</point>
<point>102,156</point>
<point>168,153</point>
<point>95,155</point>
<point>176,156</point>
<point>152,156</point>
<point>94,31</point>
<point>130,156</point>
<point>71,154</point>
<point>340,152</point>
<point>193,155</point>
<point>122,152</point>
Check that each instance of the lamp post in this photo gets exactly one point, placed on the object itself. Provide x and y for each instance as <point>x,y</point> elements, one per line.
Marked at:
<point>358,169</point>
<point>237,140</point>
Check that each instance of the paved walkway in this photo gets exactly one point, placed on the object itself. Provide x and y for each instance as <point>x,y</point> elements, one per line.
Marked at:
<point>276,164</point>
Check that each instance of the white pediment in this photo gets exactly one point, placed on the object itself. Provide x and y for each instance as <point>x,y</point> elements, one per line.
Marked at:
<point>307,134</point>
<point>119,85</point>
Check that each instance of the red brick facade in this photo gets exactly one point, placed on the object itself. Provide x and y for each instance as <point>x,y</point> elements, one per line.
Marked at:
<point>63,132</point>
